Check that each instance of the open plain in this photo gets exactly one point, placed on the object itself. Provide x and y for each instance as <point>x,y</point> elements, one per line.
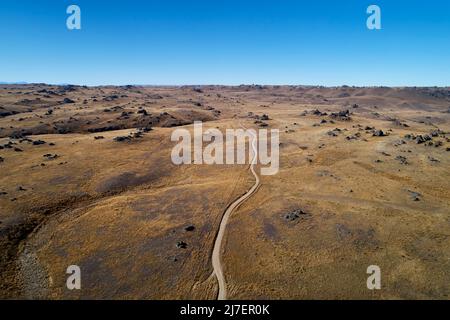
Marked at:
<point>86,179</point>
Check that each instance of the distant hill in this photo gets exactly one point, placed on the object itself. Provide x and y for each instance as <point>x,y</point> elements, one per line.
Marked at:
<point>22,82</point>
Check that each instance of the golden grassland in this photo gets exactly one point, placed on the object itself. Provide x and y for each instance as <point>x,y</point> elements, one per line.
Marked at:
<point>118,209</point>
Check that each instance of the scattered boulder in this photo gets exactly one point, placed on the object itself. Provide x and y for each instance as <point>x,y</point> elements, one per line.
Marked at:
<point>296,214</point>
<point>437,133</point>
<point>399,123</point>
<point>67,100</point>
<point>432,159</point>
<point>379,133</point>
<point>143,111</point>
<point>181,245</point>
<point>415,196</point>
<point>317,112</point>
<point>335,132</point>
<point>402,160</point>
<point>189,228</point>
<point>38,142</point>
<point>111,98</point>
<point>50,156</point>
<point>422,138</point>
<point>341,115</point>
<point>17,135</point>
<point>122,138</point>
<point>352,137</point>
<point>399,142</point>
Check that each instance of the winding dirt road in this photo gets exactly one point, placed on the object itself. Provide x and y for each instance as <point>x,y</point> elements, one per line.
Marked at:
<point>217,265</point>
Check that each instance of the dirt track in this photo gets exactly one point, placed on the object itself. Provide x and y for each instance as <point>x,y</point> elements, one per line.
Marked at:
<point>216,262</point>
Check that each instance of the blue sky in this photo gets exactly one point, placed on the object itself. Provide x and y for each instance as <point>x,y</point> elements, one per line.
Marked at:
<point>226,42</point>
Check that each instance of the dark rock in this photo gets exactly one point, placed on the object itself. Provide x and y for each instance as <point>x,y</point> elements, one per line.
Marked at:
<point>181,245</point>
<point>296,214</point>
<point>433,159</point>
<point>38,142</point>
<point>415,196</point>
<point>399,143</point>
<point>189,228</point>
<point>17,135</point>
<point>399,123</point>
<point>50,156</point>
<point>334,132</point>
<point>111,98</point>
<point>402,160</point>
<point>341,115</point>
<point>67,100</point>
<point>379,133</point>
<point>146,129</point>
<point>422,139</point>
<point>409,136</point>
<point>122,138</point>
<point>317,112</point>
<point>437,133</point>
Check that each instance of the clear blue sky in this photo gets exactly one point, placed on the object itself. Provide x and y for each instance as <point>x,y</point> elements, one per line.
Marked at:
<point>226,42</point>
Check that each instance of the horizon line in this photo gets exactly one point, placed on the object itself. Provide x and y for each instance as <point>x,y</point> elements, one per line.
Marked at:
<point>222,85</point>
